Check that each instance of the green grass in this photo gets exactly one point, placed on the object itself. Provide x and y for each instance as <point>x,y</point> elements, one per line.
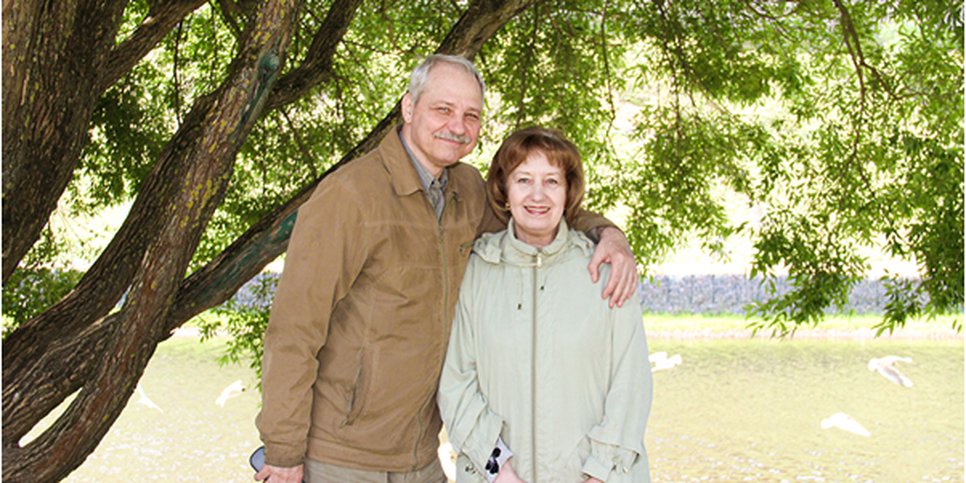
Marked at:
<point>857,325</point>
<point>738,325</point>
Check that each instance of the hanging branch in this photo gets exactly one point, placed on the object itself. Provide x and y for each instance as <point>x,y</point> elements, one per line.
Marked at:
<point>854,47</point>
<point>607,73</point>
<point>161,18</point>
<point>177,82</point>
<point>852,43</point>
<point>306,154</point>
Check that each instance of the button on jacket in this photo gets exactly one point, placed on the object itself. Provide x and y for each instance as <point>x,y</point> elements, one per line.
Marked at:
<point>537,358</point>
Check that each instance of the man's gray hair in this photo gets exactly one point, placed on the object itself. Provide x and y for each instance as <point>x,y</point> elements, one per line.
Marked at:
<point>419,77</point>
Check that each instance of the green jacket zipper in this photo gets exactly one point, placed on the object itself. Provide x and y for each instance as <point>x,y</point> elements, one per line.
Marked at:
<point>533,372</point>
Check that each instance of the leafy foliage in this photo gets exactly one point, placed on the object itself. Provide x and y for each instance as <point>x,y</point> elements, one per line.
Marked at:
<point>31,291</point>
<point>244,319</point>
<point>41,281</point>
<point>840,123</point>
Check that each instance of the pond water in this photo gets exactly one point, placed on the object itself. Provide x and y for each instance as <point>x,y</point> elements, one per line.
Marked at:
<point>751,410</point>
<point>734,410</point>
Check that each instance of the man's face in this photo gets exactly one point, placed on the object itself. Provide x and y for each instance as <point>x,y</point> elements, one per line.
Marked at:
<point>444,125</point>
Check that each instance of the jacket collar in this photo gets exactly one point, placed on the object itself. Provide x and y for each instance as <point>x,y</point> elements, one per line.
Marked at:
<point>505,247</point>
<point>402,174</point>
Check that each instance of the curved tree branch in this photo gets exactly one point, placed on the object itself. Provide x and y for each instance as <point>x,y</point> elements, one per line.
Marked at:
<point>162,17</point>
<point>316,68</point>
<point>854,46</point>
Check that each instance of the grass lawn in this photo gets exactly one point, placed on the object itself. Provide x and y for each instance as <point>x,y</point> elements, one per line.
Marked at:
<point>857,326</point>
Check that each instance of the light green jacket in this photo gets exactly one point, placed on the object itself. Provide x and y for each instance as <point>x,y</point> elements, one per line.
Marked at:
<point>538,358</point>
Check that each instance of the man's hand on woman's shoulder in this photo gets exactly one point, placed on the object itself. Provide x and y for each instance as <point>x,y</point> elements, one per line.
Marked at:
<point>613,248</point>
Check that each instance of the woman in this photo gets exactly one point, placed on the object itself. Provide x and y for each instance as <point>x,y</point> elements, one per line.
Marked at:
<point>542,380</point>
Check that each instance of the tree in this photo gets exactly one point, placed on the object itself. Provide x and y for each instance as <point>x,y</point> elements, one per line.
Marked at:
<point>842,121</point>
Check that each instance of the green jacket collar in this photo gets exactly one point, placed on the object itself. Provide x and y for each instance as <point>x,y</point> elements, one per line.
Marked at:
<point>504,247</point>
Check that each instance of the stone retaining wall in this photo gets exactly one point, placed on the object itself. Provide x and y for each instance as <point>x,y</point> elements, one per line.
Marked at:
<point>715,294</point>
<point>723,294</point>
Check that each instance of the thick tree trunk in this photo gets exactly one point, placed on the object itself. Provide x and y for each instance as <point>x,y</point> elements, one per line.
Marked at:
<point>227,117</point>
<point>72,363</point>
<point>51,52</point>
<point>58,58</point>
<point>111,275</point>
<point>31,393</point>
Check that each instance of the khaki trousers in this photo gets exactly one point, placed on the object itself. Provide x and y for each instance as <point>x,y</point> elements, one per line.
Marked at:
<point>319,472</point>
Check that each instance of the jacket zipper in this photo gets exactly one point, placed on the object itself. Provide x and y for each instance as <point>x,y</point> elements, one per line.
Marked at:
<point>533,372</point>
<point>441,245</point>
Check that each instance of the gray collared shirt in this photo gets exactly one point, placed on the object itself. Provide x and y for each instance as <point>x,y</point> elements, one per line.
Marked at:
<point>433,187</point>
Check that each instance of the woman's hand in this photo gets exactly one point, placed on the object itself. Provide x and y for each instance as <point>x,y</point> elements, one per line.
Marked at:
<point>592,480</point>
<point>507,474</point>
<point>613,248</point>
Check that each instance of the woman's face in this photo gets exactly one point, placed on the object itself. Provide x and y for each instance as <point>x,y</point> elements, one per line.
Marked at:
<point>537,193</point>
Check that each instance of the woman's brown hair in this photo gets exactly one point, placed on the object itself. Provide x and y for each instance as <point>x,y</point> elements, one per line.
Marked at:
<point>560,152</point>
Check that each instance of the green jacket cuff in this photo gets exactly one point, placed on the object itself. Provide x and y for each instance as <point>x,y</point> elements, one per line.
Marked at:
<point>597,468</point>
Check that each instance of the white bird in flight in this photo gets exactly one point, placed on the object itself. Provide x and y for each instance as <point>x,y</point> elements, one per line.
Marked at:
<point>885,366</point>
<point>845,423</point>
<point>232,390</point>
<point>143,399</point>
<point>660,361</point>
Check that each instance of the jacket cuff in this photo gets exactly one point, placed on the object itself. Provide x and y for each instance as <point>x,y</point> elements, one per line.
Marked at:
<point>284,456</point>
<point>480,449</point>
<point>597,468</point>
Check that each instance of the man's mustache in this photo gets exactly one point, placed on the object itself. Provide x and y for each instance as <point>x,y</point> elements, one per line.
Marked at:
<point>460,138</point>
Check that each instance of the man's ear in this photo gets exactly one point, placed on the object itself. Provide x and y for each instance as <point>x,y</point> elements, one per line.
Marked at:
<point>407,107</point>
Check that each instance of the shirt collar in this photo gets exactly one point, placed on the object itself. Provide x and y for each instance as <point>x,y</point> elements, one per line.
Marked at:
<point>425,178</point>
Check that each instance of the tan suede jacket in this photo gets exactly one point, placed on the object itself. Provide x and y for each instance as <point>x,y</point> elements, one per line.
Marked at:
<point>361,318</point>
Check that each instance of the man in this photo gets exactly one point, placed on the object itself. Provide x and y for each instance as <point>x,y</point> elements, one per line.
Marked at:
<point>362,314</point>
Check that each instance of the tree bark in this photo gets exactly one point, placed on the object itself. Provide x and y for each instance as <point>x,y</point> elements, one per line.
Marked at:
<point>58,58</point>
<point>51,54</point>
<point>316,67</point>
<point>106,281</point>
<point>227,117</point>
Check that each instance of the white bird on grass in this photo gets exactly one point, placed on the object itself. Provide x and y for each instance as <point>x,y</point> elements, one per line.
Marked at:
<point>660,361</point>
<point>447,459</point>
<point>143,399</point>
<point>233,389</point>
<point>845,423</point>
<point>885,367</point>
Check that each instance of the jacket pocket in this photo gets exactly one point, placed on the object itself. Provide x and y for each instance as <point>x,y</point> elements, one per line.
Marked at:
<point>360,389</point>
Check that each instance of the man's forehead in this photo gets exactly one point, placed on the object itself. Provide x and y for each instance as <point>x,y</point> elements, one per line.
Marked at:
<point>453,85</point>
<point>452,101</point>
